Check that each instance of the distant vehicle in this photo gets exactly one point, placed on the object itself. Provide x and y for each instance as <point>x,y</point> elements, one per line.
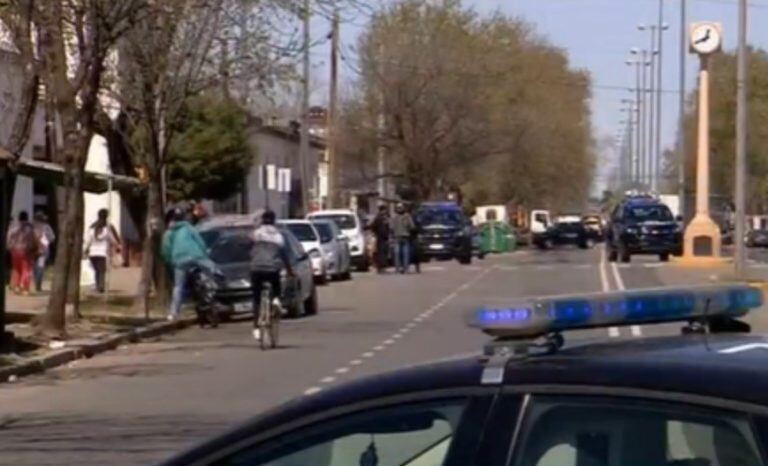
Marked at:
<point>230,244</point>
<point>642,225</point>
<point>571,232</point>
<point>352,227</point>
<point>540,222</point>
<point>444,231</point>
<point>335,247</point>
<point>594,225</point>
<point>487,213</point>
<point>309,238</point>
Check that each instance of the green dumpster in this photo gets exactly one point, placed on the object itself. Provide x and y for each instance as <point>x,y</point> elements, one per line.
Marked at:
<point>496,237</point>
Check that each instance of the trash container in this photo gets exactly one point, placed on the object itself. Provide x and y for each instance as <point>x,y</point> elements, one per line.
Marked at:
<point>497,237</point>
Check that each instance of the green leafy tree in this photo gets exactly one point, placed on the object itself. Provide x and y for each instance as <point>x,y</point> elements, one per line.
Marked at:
<point>210,155</point>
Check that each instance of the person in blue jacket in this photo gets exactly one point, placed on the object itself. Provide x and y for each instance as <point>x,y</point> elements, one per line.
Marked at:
<point>183,249</point>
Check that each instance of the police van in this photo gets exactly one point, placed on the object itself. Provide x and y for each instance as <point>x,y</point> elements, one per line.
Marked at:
<point>532,399</point>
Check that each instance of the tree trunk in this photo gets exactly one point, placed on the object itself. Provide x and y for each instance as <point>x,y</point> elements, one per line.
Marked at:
<point>150,264</point>
<point>73,284</point>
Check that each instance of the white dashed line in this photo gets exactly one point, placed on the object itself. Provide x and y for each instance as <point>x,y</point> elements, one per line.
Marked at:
<point>378,348</point>
<point>397,336</point>
<point>355,362</point>
<point>312,391</point>
<point>654,265</point>
<point>328,379</point>
<point>367,355</point>
<point>342,370</point>
<point>388,342</point>
<point>613,332</point>
<point>410,325</point>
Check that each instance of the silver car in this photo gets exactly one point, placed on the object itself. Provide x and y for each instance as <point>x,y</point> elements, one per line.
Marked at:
<point>335,249</point>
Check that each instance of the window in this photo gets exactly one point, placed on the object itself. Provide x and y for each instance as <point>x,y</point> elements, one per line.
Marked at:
<point>659,213</point>
<point>416,435</point>
<point>326,232</point>
<point>302,231</point>
<point>344,221</point>
<point>587,432</point>
<point>439,217</point>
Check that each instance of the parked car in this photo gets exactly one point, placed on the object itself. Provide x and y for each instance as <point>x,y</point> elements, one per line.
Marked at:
<point>309,238</point>
<point>335,248</point>
<point>568,232</point>
<point>757,238</point>
<point>444,231</point>
<point>642,225</point>
<point>352,227</point>
<point>230,243</point>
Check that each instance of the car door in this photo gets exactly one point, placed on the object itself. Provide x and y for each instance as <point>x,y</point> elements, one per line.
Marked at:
<point>423,429</point>
<point>608,430</point>
<point>302,267</point>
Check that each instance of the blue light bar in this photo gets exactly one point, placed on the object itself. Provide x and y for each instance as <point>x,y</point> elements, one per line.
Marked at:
<point>535,317</point>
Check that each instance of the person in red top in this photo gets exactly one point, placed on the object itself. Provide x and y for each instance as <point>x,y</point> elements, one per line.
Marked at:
<point>24,246</point>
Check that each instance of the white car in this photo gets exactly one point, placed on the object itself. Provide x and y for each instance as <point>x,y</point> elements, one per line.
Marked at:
<point>352,227</point>
<point>309,238</point>
<point>335,249</point>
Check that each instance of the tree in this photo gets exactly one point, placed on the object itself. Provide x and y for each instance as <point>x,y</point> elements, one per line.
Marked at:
<point>456,99</point>
<point>210,153</point>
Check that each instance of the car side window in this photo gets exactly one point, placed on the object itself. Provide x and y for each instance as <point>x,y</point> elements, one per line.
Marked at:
<point>402,435</point>
<point>591,432</point>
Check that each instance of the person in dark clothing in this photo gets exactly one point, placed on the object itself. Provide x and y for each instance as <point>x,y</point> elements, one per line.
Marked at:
<point>380,229</point>
<point>415,246</point>
<point>402,227</point>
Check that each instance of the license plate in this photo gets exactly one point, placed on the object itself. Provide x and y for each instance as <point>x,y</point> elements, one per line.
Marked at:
<point>246,306</point>
<point>436,247</point>
<point>570,235</point>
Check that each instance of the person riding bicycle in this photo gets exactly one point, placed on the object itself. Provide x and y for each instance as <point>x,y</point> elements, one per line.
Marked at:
<point>269,255</point>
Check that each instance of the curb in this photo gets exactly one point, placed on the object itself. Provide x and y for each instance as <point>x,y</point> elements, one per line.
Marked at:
<point>89,348</point>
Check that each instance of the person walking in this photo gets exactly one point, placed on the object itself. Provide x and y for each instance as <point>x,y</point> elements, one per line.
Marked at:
<point>402,226</point>
<point>46,237</point>
<point>380,229</point>
<point>183,249</point>
<point>415,246</point>
<point>23,246</point>
<point>101,242</point>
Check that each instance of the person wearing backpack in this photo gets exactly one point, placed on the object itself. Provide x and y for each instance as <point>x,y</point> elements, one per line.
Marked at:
<point>24,247</point>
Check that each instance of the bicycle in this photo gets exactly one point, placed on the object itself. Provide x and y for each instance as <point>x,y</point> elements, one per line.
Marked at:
<point>269,319</point>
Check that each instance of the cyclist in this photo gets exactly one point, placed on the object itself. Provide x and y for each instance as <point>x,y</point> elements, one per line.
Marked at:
<point>269,256</point>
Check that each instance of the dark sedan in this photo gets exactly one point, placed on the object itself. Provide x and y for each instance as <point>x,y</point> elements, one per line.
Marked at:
<point>572,233</point>
<point>757,239</point>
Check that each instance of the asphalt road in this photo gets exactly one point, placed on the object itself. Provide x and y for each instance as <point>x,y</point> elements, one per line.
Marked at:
<point>143,402</point>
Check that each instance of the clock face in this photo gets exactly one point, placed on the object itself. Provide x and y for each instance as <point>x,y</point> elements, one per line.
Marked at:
<point>705,38</point>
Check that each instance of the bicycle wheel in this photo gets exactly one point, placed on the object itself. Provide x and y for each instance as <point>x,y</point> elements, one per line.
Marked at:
<point>274,327</point>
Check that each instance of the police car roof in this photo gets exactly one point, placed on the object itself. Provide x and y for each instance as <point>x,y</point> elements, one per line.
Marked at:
<point>726,367</point>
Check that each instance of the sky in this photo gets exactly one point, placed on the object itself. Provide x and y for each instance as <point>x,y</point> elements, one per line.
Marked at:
<point>597,36</point>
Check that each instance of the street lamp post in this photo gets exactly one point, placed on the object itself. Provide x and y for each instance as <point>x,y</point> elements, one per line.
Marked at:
<point>661,27</point>
<point>648,91</point>
<point>642,63</point>
<point>681,116</point>
<point>741,143</point>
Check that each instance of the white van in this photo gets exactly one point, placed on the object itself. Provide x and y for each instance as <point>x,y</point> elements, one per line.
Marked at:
<point>352,228</point>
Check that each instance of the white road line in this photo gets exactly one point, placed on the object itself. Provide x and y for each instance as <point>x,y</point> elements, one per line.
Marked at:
<point>613,332</point>
<point>624,266</point>
<point>367,355</point>
<point>355,362</point>
<point>397,336</point>
<point>328,379</point>
<point>378,348</point>
<point>388,342</point>
<point>636,330</point>
<point>410,325</point>
<point>312,391</point>
<point>342,370</point>
<point>653,265</point>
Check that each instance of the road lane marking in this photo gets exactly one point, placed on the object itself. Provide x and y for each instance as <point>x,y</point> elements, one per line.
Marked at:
<point>312,391</point>
<point>613,332</point>
<point>388,342</point>
<point>397,336</point>
<point>653,265</point>
<point>342,370</point>
<point>367,354</point>
<point>355,362</point>
<point>636,330</point>
<point>328,379</point>
<point>410,325</point>
<point>378,348</point>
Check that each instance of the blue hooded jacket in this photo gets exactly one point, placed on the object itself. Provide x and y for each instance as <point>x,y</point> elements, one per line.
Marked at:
<point>182,243</point>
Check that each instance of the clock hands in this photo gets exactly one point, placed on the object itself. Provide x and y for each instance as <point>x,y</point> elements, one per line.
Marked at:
<point>705,38</point>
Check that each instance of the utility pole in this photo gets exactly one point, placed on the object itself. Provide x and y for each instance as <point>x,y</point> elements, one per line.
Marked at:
<point>381,163</point>
<point>681,116</point>
<point>649,92</point>
<point>638,163</point>
<point>661,27</point>
<point>304,134</point>
<point>333,162</point>
<point>741,142</point>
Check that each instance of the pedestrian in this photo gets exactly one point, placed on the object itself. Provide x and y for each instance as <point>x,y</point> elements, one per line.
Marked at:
<point>380,229</point>
<point>198,212</point>
<point>402,225</point>
<point>23,247</point>
<point>101,242</point>
<point>46,237</point>
<point>415,245</point>
<point>183,249</point>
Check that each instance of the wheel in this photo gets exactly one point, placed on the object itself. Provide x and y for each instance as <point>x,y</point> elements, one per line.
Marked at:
<point>664,257</point>
<point>274,328</point>
<point>365,266</point>
<point>612,254</point>
<point>310,305</point>
<point>346,275</point>
<point>549,244</point>
<point>590,243</point>
<point>624,254</point>
<point>465,259</point>
<point>481,255</point>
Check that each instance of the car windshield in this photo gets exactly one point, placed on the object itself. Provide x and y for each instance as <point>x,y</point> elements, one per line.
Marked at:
<point>326,232</point>
<point>427,217</point>
<point>343,221</point>
<point>659,213</point>
<point>302,231</point>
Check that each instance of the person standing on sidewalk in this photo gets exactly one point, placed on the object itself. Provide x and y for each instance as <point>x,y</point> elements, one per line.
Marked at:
<point>46,237</point>
<point>101,242</point>
<point>380,229</point>
<point>415,246</point>
<point>402,226</point>
<point>183,249</point>
<point>23,247</point>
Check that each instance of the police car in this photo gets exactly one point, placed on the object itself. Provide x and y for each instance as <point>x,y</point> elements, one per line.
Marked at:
<point>700,398</point>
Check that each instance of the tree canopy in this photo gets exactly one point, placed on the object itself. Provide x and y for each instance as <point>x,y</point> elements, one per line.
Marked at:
<point>461,100</point>
<point>210,155</point>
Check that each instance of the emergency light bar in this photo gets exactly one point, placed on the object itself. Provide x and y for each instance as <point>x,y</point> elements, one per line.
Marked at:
<point>540,316</point>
